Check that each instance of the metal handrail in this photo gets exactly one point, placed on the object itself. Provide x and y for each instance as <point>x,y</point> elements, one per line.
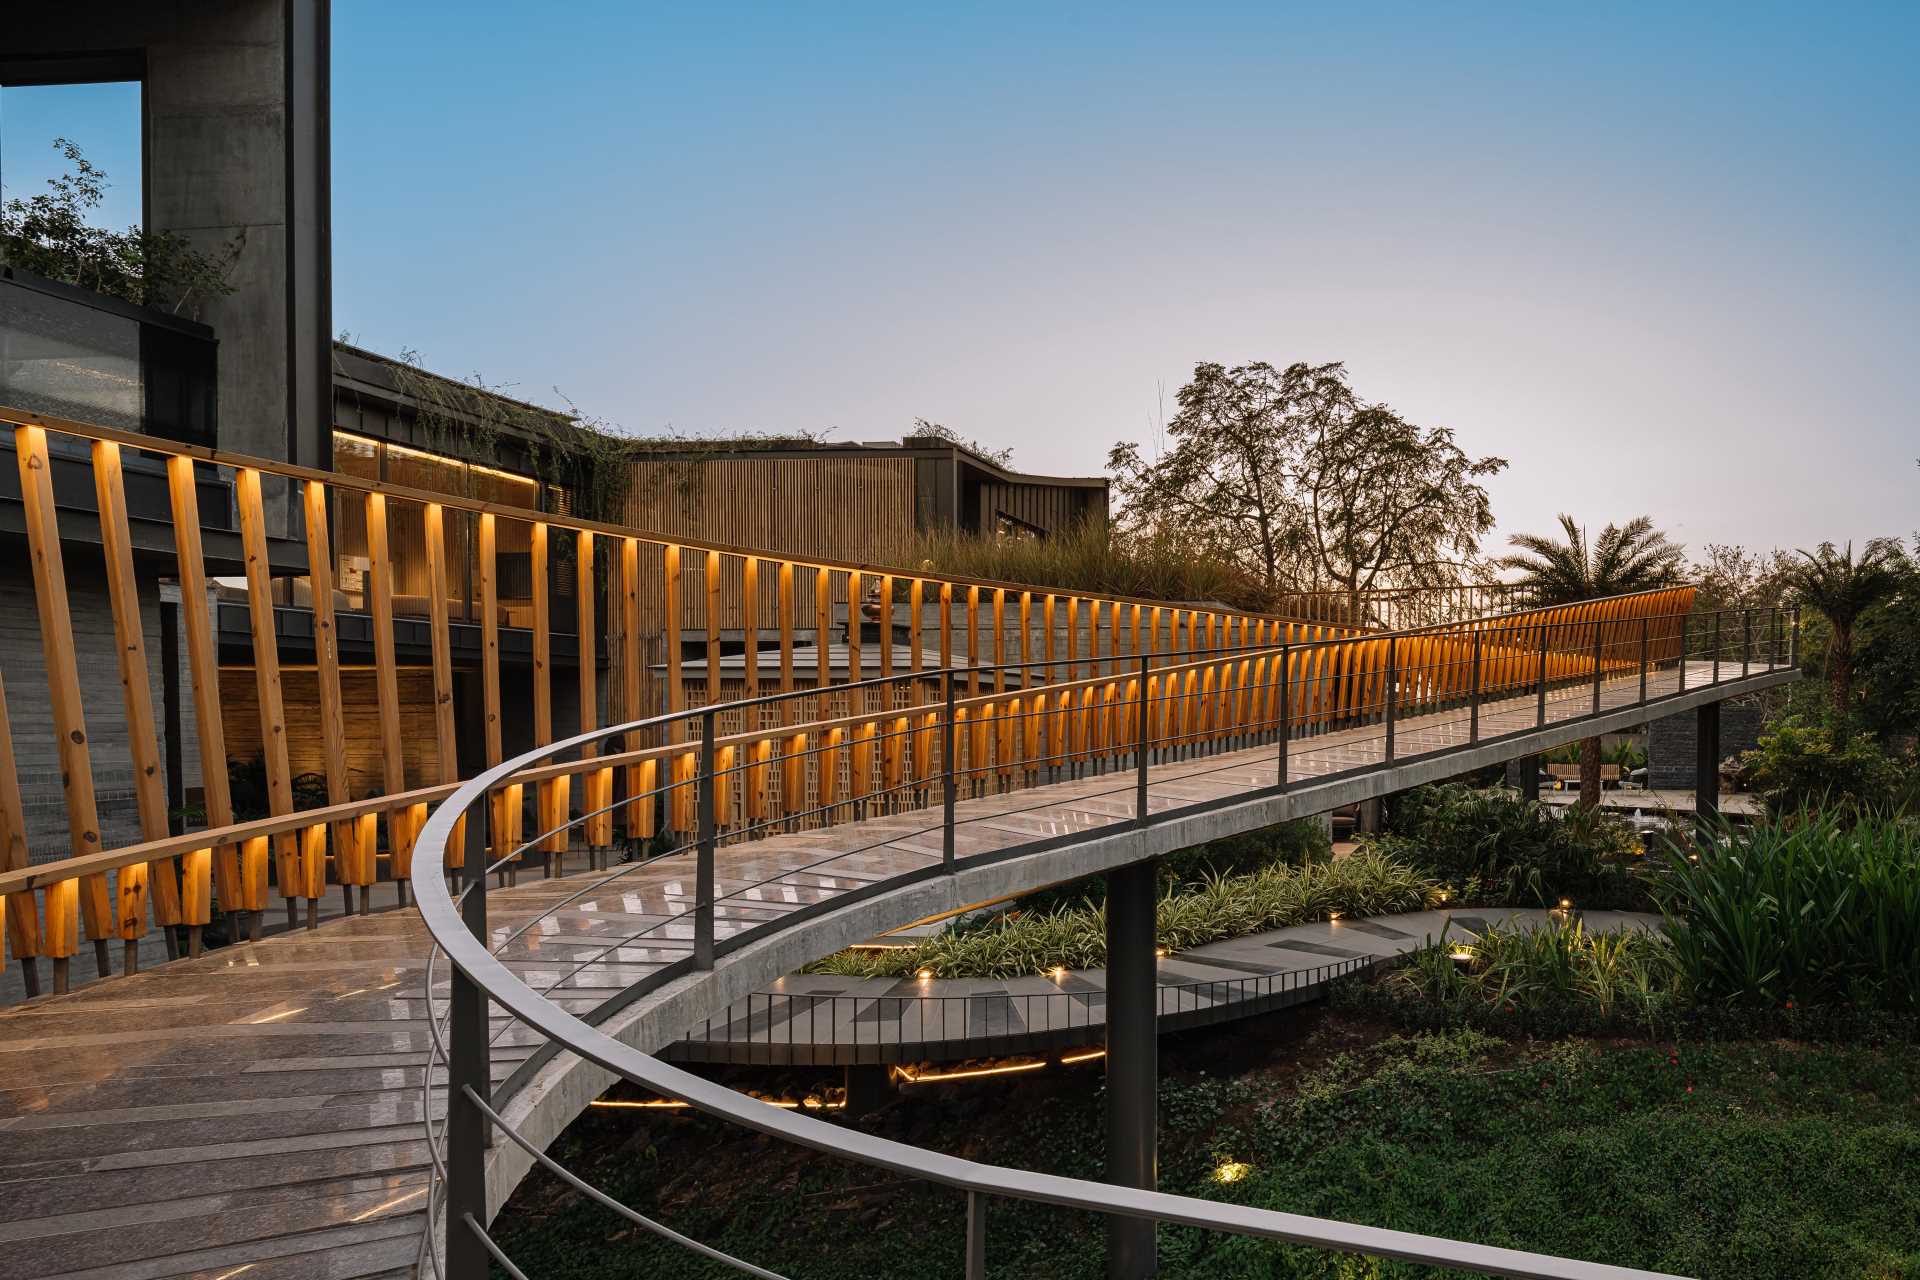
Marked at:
<point>480,976</point>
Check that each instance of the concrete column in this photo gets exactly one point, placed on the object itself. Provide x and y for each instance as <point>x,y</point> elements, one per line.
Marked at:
<point>1133,1065</point>
<point>1529,770</point>
<point>868,1089</point>
<point>1367,820</point>
<point>1706,762</point>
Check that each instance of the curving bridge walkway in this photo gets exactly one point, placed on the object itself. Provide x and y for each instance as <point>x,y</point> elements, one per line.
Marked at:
<point>826,1020</point>
<point>257,1111</point>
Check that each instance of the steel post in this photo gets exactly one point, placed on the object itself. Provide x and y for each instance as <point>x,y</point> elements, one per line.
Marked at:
<point>1645,633</point>
<point>1746,643</point>
<point>1596,666</point>
<point>948,743</point>
<point>976,1236</point>
<point>468,1067</point>
<point>1132,1062</point>
<point>1286,712</point>
<point>1540,715</point>
<point>1141,739</point>
<point>1716,647</point>
<point>1473,696</point>
<point>704,851</point>
<point>1393,645</point>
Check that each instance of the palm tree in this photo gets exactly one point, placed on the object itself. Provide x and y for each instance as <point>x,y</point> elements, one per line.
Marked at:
<point>1842,589</point>
<point>1625,558</point>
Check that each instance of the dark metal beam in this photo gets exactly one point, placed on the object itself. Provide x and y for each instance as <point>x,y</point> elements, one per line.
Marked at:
<point>1133,1065</point>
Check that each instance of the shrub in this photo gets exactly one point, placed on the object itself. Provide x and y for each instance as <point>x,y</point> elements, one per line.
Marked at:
<point>1091,556</point>
<point>1802,763</point>
<point>1497,848</point>
<point>1547,978</point>
<point>1812,908</point>
<point>1289,844</point>
<point>1366,884</point>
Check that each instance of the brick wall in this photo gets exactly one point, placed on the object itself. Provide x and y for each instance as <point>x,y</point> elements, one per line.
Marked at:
<point>1670,742</point>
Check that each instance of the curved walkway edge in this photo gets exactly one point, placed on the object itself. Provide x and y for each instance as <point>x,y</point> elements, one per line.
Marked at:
<point>830,1020</point>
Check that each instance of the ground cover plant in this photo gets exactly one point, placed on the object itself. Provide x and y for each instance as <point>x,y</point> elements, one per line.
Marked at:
<point>1728,1160</point>
<point>1493,847</point>
<point>1219,907</point>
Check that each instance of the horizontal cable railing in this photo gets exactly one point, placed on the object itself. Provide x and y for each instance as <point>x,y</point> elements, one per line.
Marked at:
<point>779,1028</point>
<point>942,778</point>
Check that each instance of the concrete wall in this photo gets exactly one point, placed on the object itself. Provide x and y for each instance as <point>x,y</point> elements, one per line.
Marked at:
<point>232,90</point>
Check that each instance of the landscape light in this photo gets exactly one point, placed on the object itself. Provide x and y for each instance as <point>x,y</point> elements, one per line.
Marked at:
<point>923,974</point>
<point>1231,1171</point>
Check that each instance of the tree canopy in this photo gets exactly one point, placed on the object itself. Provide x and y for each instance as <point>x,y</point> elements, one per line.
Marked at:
<point>1628,557</point>
<point>1291,475</point>
<point>52,235</point>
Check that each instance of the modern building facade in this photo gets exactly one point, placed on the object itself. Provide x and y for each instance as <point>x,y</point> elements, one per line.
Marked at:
<point>235,148</point>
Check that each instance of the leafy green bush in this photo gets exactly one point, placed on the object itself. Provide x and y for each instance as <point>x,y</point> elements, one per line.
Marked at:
<point>1550,976</point>
<point>1497,848</point>
<point>1366,884</point>
<point>1288,844</point>
<point>1803,763</point>
<point>1810,909</point>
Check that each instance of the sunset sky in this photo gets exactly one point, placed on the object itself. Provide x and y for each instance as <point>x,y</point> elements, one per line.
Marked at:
<point>1664,261</point>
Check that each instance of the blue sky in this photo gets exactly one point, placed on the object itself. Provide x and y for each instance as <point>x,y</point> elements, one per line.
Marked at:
<point>1663,260</point>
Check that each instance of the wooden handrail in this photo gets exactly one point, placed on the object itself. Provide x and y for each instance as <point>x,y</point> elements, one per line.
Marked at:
<point>48,873</point>
<point>359,484</point>
<point>1212,667</point>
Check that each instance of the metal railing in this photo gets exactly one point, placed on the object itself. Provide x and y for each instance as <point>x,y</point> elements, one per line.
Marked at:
<point>798,1028</point>
<point>1253,721</point>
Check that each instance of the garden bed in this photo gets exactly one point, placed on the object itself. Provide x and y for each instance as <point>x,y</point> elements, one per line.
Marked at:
<point>1733,1158</point>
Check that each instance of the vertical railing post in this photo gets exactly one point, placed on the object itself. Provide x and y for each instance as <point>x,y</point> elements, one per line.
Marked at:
<point>1716,646</point>
<point>1793,638</point>
<point>1141,740</point>
<point>1540,715</point>
<point>468,1068</point>
<point>1473,693</point>
<point>1286,711</point>
<point>1646,628</point>
<point>976,1236</point>
<point>1774,636</point>
<point>1598,627</point>
<point>704,851</point>
<point>1746,643</point>
<point>1393,645</point>
<point>1686,621</point>
<point>948,745</point>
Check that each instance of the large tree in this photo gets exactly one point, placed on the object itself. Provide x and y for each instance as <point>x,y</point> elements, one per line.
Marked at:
<point>1305,485</point>
<point>1628,557</point>
<point>1842,589</point>
<point>1389,503</point>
